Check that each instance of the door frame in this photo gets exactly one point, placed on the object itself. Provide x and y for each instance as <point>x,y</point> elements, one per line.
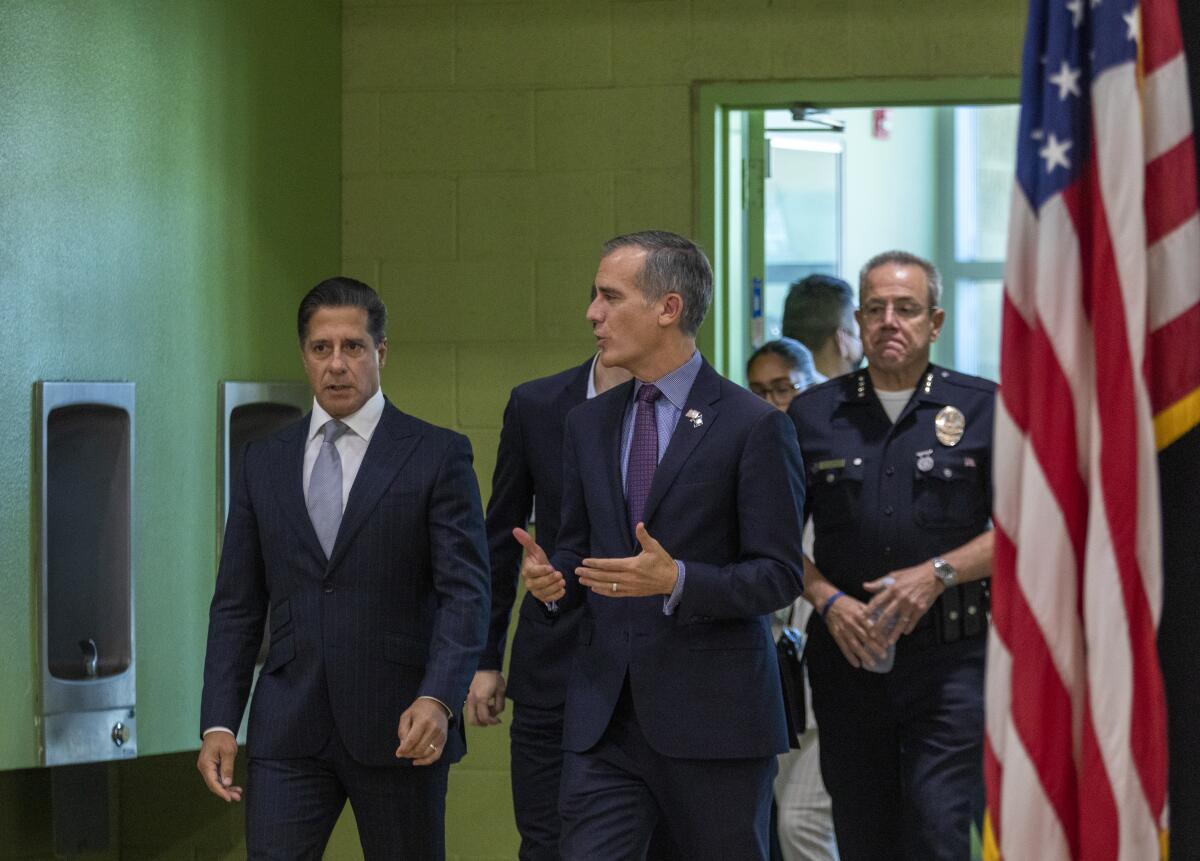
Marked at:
<point>724,336</point>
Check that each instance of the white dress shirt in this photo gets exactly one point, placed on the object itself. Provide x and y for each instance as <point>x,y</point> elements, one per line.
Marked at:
<point>351,446</point>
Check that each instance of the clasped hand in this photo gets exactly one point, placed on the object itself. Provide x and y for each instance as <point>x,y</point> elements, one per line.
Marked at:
<point>650,572</point>
<point>900,600</point>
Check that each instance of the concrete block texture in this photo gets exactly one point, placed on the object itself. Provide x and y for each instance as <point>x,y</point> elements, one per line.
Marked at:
<point>551,44</point>
<point>400,47</point>
<point>459,301</point>
<point>406,217</point>
<point>613,128</point>
<point>488,372</point>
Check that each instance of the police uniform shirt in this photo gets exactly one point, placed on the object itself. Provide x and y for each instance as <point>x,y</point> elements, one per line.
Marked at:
<point>884,495</point>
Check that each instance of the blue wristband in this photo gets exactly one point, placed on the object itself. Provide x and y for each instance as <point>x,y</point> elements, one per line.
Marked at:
<point>829,602</point>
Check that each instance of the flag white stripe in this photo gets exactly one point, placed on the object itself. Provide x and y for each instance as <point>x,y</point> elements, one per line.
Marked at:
<point>1119,145</point>
<point>1166,88</point>
<point>1043,544</point>
<point>1020,268</point>
<point>1124,192</point>
<point>1029,827</point>
<point>1059,291</point>
<point>1110,654</point>
<point>1174,263</point>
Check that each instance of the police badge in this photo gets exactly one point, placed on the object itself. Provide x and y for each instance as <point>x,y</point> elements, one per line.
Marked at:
<point>949,425</point>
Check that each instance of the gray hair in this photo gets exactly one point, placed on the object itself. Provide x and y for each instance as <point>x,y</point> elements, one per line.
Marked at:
<point>903,258</point>
<point>673,265</point>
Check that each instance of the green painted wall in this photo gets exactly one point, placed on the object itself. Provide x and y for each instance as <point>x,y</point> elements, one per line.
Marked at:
<point>490,147</point>
<point>168,188</point>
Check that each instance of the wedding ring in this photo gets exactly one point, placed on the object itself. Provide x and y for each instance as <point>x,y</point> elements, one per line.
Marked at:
<point>433,747</point>
<point>614,588</point>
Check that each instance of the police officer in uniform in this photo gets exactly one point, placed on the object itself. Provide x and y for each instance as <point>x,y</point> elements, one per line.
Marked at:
<point>898,459</point>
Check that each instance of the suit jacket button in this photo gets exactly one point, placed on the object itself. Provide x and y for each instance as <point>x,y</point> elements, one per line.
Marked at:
<point>328,585</point>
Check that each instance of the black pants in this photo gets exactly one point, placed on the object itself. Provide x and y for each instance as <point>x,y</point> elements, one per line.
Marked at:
<point>536,753</point>
<point>614,795</point>
<point>902,752</point>
<point>293,804</point>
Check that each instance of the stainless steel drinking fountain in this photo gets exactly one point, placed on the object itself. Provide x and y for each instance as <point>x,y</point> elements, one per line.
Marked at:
<point>84,462</point>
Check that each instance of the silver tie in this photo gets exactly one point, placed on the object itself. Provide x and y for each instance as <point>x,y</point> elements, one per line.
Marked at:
<point>325,487</point>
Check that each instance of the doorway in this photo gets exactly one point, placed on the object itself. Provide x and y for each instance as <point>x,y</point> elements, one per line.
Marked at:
<point>797,187</point>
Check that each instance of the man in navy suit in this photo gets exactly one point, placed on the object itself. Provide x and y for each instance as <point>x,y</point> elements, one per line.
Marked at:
<point>681,531</point>
<point>361,530</point>
<point>529,465</point>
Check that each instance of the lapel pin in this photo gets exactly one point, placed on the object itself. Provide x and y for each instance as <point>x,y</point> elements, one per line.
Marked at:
<point>694,417</point>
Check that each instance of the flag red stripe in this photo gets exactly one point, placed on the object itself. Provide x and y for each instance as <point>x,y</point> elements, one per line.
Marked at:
<point>1173,359</point>
<point>1115,398</point>
<point>1170,190</point>
<point>1041,705</point>
<point>1100,835</point>
<point>1046,415</point>
<point>1162,37</point>
<point>1016,368</point>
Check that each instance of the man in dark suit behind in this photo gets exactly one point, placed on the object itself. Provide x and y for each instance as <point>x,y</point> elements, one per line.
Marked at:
<point>681,528</point>
<point>529,465</point>
<point>361,530</point>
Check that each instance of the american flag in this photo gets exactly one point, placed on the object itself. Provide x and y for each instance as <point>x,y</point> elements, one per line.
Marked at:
<point>1100,367</point>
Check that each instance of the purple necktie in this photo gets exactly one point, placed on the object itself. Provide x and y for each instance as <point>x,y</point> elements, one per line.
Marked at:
<point>643,455</point>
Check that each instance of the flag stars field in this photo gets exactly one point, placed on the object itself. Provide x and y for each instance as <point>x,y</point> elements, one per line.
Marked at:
<point>1055,153</point>
<point>1067,81</point>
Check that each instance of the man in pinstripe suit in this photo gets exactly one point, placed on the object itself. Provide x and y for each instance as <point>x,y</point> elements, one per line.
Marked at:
<point>361,529</point>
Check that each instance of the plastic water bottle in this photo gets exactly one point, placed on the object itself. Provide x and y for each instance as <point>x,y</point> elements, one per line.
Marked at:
<point>884,664</point>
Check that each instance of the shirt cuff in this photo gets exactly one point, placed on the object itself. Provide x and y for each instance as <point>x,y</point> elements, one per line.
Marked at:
<point>672,600</point>
<point>218,729</point>
<point>449,713</point>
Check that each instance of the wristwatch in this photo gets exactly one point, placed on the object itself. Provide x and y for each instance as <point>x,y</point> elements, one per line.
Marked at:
<point>944,571</point>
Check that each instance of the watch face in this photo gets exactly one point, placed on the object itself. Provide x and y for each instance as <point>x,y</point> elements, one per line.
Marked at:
<point>945,572</point>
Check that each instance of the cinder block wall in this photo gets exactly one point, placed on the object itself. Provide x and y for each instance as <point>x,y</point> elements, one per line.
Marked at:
<point>489,148</point>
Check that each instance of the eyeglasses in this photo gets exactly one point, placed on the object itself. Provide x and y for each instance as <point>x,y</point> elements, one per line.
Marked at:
<point>776,391</point>
<point>873,312</point>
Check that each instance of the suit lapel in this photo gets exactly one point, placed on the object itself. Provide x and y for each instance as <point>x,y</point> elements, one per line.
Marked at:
<point>288,469</point>
<point>573,393</point>
<point>391,444</point>
<point>703,397</point>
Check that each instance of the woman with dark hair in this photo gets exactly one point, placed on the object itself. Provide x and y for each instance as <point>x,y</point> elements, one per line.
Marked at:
<point>777,372</point>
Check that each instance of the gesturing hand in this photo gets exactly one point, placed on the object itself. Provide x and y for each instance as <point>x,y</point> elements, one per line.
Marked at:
<point>541,580</point>
<point>651,572</point>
